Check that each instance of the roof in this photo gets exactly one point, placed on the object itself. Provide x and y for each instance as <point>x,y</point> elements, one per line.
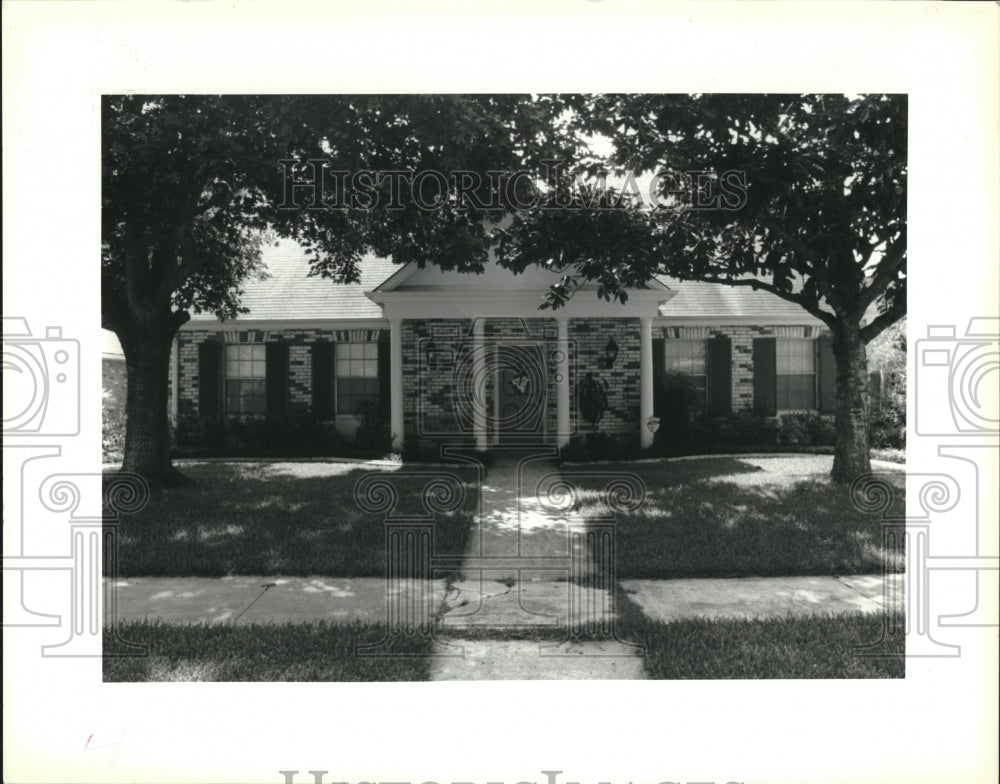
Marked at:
<point>697,300</point>
<point>290,294</point>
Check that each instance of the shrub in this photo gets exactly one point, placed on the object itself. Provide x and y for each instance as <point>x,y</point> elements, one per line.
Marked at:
<point>290,435</point>
<point>806,429</point>
<point>113,435</point>
<point>373,435</point>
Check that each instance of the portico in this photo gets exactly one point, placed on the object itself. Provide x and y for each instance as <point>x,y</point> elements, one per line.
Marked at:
<point>473,358</point>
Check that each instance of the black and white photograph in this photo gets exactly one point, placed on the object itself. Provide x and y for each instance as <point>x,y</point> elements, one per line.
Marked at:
<point>411,392</point>
<point>507,387</point>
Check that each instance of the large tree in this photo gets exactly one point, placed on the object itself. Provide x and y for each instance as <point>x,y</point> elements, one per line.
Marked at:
<point>803,196</point>
<point>192,186</point>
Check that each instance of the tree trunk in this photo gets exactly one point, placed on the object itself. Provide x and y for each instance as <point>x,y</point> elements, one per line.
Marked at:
<point>147,431</point>
<point>850,457</point>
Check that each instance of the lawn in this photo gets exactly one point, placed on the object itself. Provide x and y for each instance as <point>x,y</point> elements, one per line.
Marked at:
<point>287,519</point>
<point>821,646</point>
<point>743,517</point>
<point>286,652</point>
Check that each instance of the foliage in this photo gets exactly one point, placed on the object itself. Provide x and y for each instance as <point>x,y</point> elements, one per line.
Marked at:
<point>593,397</point>
<point>682,403</point>
<point>373,435</point>
<point>887,354</point>
<point>292,435</point>
<point>193,185</point>
<point>820,219</point>
<point>113,434</point>
<point>802,196</point>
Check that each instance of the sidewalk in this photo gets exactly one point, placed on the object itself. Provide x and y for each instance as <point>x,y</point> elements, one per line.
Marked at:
<point>250,600</point>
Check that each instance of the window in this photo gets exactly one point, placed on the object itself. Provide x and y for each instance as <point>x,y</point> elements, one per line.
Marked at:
<point>687,357</point>
<point>245,379</point>
<point>357,375</point>
<point>795,361</point>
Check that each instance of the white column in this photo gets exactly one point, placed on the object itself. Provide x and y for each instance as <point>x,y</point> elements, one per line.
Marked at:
<point>479,376</point>
<point>175,374</point>
<point>645,379</point>
<point>562,383</point>
<point>396,382</point>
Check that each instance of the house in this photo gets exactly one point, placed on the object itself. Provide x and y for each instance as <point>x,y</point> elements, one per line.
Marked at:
<point>448,356</point>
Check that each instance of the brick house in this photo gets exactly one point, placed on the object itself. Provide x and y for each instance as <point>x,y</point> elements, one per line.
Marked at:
<point>449,356</point>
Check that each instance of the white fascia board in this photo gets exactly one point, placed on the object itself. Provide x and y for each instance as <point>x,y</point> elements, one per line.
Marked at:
<point>513,304</point>
<point>279,324</point>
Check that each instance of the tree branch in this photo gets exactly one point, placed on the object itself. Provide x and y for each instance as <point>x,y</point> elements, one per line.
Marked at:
<point>884,320</point>
<point>895,256</point>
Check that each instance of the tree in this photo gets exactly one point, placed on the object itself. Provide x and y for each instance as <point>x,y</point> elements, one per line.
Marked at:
<point>802,196</point>
<point>193,185</point>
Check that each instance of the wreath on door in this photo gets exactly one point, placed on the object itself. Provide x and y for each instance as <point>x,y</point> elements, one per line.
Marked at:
<point>593,394</point>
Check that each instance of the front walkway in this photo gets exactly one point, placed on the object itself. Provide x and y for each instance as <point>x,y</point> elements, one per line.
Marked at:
<point>528,570</point>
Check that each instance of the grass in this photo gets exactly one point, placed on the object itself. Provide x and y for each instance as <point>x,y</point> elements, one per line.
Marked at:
<point>813,647</point>
<point>744,517</point>
<point>289,652</point>
<point>281,518</point>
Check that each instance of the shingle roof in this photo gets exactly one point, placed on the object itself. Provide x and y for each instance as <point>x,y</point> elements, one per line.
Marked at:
<point>715,301</point>
<point>290,294</point>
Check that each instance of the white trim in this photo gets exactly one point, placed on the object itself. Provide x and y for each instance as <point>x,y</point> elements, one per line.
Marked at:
<point>283,324</point>
<point>512,304</point>
<point>722,321</point>
<point>175,379</point>
<point>645,380</point>
<point>563,425</point>
<point>396,419</point>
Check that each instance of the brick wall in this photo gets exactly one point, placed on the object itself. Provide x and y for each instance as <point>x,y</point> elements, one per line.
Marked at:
<point>434,396</point>
<point>299,363</point>
<point>590,339</point>
<point>741,338</point>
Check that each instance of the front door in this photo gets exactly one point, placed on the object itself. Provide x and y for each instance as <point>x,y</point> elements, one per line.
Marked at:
<point>521,392</point>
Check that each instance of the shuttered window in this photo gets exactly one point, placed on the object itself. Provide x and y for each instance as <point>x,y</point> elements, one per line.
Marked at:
<point>245,369</point>
<point>795,373</point>
<point>688,358</point>
<point>356,369</point>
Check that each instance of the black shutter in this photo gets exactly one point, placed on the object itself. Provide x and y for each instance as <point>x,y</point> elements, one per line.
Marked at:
<point>765,398</point>
<point>384,375</point>
<point>720,375</point>
<point>210,379</point>
<point>826,372</point>
<point>659,368</point>
<point>322,380</point>
<point>276,370</point>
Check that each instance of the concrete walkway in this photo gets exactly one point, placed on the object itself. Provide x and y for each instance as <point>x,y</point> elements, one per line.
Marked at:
<point>249,600</point>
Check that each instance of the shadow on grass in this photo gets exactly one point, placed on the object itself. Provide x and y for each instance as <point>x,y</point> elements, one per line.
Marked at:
<point>731,518</point>
<point>818,646</point>
<point>288,652</point>
<point>282,518</point>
